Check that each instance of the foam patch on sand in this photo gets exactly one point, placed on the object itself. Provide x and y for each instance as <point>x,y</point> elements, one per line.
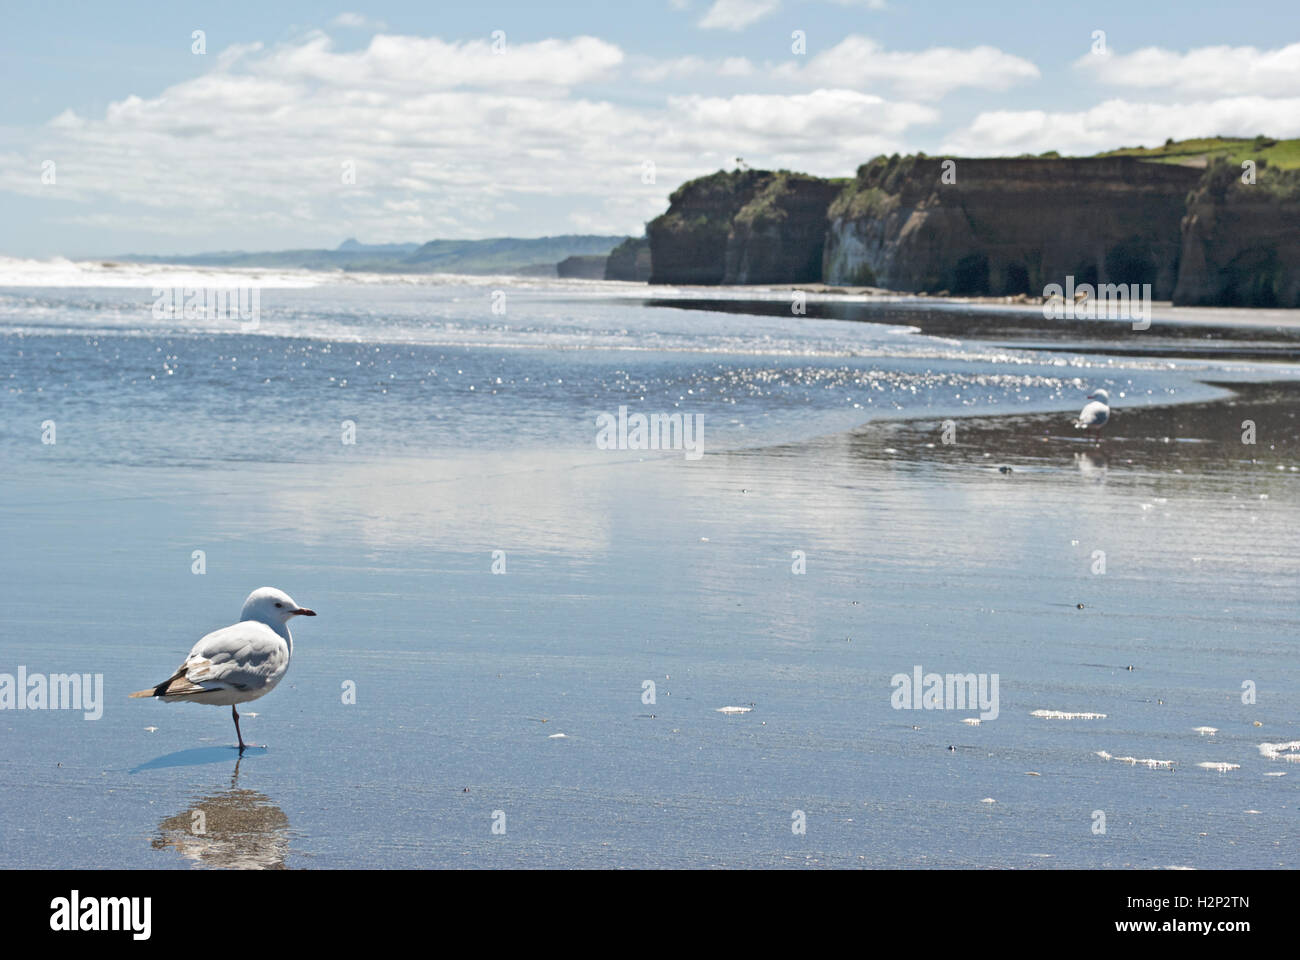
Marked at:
<point>1066,715</point>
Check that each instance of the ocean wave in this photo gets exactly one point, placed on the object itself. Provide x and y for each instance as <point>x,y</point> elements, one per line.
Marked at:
<point>61,272</point>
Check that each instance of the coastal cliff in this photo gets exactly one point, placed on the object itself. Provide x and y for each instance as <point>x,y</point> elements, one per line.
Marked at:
<point>630,260</point>
<point>1177,217</point>
<point>584,267</point>
<point>744,226</point>
<point>1007,226</point>
<point>1241,241</point>
<point>778,236</point>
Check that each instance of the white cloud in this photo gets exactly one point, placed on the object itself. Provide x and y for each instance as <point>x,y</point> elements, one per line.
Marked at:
<point>858,62</point>
<point>414,64</point>
<point>68,120</point>
<point>1219,70</point>
<point>827,132</point>
<point>357,21</point>
<point>656,71</point>
<point>1120,122</point>
<point>737,14</point>
<point>441,144</point>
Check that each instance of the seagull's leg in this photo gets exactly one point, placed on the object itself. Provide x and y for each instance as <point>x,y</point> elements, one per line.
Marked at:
<point>235,713</point>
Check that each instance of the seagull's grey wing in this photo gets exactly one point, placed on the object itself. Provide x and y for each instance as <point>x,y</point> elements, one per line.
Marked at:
<point>244,656</point>
<point>1093,414</point>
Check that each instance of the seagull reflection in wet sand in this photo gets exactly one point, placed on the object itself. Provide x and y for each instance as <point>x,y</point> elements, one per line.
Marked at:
<point>1092,465</point>
<point>234,829</point>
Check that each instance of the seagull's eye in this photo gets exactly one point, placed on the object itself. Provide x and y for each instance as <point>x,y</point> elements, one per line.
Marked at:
<point>279,604</point>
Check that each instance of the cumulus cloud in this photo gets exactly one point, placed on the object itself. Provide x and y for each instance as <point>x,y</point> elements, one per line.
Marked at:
<point>859,62</point>
<point>1121,122</point>
<point>407,63</point>
<point>1218,70</point>
<point>656,71</point>
<point>411,138</point>
<point>817,118</point>
<point>737,14</point>
<point>357,21</point>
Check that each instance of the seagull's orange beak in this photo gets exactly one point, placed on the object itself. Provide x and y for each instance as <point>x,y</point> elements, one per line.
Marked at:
<point>304,612</point>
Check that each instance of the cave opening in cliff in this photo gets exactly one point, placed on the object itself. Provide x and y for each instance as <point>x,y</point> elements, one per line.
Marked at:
<point>1130,262</point>
<point>1015,279</point>
<point>971,276</point>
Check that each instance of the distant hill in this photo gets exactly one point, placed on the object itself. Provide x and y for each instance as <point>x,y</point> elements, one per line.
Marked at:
<point>505,254</point>
<point>352,245</point>
<point>535,256</point>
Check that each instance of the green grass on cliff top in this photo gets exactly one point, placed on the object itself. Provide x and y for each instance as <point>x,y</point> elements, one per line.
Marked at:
<point>1280,154</point>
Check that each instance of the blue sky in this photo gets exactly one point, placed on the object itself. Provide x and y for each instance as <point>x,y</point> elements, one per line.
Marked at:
<point>302,124</point>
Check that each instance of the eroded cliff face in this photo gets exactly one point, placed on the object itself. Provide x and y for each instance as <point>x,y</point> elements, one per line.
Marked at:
<point>988,227</point>
<point>1007,226</point>
<point>1241,242</point>
<point>688,244</point>
<point>744,226</point>
<point>630,260</point>
<point>778,237</point>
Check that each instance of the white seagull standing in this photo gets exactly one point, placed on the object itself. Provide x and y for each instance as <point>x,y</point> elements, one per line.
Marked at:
<point>1096,414</point>
<point>237,663</point>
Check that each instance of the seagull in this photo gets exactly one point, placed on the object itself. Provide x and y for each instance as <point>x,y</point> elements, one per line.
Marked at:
<point>237,663</point>
<point>1095,414</point>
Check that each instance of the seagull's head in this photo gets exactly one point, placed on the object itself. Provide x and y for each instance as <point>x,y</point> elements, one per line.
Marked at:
<point>1101,395</point>
<point>272,607</point>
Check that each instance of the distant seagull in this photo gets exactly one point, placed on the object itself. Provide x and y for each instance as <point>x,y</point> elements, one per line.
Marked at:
<point>237,663</point>
<point>1096,414</point>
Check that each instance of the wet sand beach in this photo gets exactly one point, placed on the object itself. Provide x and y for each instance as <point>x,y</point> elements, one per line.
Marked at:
<point>521,698</point>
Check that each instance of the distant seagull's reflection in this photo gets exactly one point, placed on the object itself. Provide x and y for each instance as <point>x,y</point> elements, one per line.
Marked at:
<point>1092,465</point>
<point>233,829</point>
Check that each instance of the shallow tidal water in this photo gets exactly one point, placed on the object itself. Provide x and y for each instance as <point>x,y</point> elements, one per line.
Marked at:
<point>519,699</point>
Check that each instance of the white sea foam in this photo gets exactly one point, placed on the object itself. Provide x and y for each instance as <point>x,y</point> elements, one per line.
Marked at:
<point>734,709</point>
<point>1148,762</point>
<point>1218,765</point>
<point>1067,715</point>
<point>1205,731</point>
<point>60,272</point>
<point>1281,751</point>
<point>972,721</point>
